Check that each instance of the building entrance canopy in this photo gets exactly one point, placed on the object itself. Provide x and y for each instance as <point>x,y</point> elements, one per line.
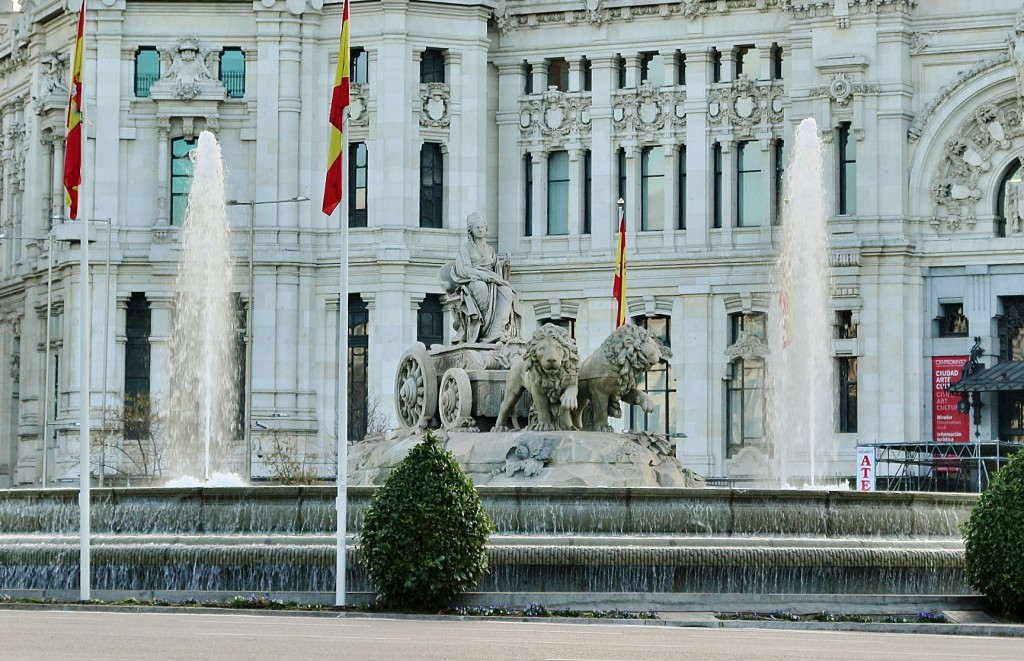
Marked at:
<point>1006,376</point>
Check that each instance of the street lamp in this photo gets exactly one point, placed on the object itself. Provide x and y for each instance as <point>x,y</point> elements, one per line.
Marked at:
<point>247,422</point>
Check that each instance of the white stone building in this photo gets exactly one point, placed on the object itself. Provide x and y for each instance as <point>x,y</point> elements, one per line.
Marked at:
<point>539,114</point>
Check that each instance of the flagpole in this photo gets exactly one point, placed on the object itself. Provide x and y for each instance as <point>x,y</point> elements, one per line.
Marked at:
<point>84,339</point>
<point>619,285</point>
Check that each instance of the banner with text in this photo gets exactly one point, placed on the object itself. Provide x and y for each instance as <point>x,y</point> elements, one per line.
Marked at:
<point>865,469</point>
<point>949,425</point>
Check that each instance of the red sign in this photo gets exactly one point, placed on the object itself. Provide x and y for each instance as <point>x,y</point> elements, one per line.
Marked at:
<point>948,424</point>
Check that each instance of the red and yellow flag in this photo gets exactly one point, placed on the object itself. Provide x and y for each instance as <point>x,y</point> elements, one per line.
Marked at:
<point>619,287</point>
<point>73,151</point>
<point>339,102</point>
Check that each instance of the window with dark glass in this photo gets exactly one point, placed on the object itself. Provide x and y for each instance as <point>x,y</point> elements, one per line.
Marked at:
<point>528,82</point>
<point>181,177</point>
<point>847,171</point>
<point>716,65</point>
<point>778,156</point>
<point>652,188</point>
<point>430,321</point>
<point>749,209</point>
<point>1010,328</point>
<point>528,195</point>
<point>136,363</point>
<point>776,57</point>
<point>621,172</point>
<point>147,69</point>
<point>681,188</point>
<point>952,321</point>
<point>846,328</point>
<point>357,199</point>
<point>745,412</point>
<point>680,68</point>
<point>588,75</point>
<point>432,66</point>
<point>620,69</point>
<point>358,65</point>
<point>1010,199</point>
<point>358,367</point>
<point>659,384</point>
<point>431,185</point>
<point>846,373</point>
<point>652,69</point>
<point>588,180</point>
<point>558,193</point>
<point>717,212</point>
<point>558,74</point>
<point>232,71</point>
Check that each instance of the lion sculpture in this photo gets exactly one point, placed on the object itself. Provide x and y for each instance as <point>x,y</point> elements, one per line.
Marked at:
<point>610,376</point>
<point>548,370</point>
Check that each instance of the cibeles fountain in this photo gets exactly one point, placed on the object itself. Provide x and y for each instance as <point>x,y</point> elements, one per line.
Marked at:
<point>585,516</point>
<point>523,412</point>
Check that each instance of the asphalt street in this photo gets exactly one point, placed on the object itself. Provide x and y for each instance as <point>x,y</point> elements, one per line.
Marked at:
<point>58,634</point>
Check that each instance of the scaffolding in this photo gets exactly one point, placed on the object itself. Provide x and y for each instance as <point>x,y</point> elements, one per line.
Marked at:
<point>930,466</point>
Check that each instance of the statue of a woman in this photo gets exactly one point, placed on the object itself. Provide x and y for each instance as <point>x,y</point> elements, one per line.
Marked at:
<point>490,303</point>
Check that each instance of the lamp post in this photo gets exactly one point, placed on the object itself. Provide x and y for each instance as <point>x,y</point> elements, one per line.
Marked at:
<point>247,415</point>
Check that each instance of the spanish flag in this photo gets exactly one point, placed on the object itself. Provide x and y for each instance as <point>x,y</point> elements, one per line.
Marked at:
<point>73,152</point>
<point>339,102</point>
<point>619,286</point>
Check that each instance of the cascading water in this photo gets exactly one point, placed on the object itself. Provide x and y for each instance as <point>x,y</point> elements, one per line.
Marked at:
<point>204,370</point>
<point>800,401</point>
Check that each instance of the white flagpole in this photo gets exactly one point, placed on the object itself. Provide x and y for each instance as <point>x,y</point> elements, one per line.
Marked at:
<point>84,362</point>
<point>342,480</point>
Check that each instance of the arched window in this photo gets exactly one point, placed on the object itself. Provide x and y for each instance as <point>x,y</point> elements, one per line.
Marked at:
<point>1010,201</point>
<point>659,384</point>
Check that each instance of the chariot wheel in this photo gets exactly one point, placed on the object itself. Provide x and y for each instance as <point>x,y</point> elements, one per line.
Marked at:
<point>455,401</point>
<point>415,388</point>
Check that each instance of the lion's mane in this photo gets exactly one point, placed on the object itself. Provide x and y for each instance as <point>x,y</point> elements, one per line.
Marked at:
<point>623,353</point>
<point>552,385</point>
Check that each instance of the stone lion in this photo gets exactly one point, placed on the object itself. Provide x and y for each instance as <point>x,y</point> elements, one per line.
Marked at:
<point>610,376</point>
<point>548,370</point>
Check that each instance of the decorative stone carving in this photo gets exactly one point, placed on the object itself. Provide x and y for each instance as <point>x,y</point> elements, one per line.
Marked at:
<point>967,157</point>
<point>554,117</point>
<point>186,71</point>
<point>53,71</point>
<point>503,17</point>
<point>435,99</point>
<point>920,41</point>
<point>745,104</point>
<point>947,91</point>
<point>1014,207</point>
<point>358,107</point>
<point>693,8</point>
<point>838,259</point>
<point>747,346</point>
<point>529,457</point>
<point>594,14</point>
<point>647,110</point>
<point>1016,48</point>
<point>549,371</point>
<point>842,88</point>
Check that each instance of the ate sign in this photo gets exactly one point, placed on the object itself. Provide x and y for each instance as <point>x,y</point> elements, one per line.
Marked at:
<point>865,469</point>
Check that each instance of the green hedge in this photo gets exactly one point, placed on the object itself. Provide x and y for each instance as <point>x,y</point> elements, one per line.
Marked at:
<point>425,534</point>
<point>994,539</point>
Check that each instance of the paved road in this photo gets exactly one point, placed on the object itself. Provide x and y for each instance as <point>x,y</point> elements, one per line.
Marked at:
<point>53,635</point>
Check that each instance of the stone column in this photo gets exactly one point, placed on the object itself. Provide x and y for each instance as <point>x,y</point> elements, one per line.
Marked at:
<point>540,197</point>
<point>669,65</point>
<point>57,189</point>
<point>289,112</point>
<point>511,175</point>
<point>393,82</point>
<point>575,196</point>
<point>161,308</point>
<point>728,189</point>
<point>767,187</point>
<point>163,161</point>
<point>603,191</point>
<point>575,75</point>
<point>281,385</point>
<point>699,173</point>
<point>104,116</point>
<point>671,182</point>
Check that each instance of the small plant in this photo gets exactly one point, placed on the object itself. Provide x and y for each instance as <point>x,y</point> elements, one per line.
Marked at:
<point>993,553</point>
<point>129,442</point>
<point>286,462</point>
<point>424,535</point>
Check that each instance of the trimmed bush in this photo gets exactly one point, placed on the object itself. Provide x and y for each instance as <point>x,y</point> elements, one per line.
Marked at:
<point>425,533</point>
<point>994,539</point>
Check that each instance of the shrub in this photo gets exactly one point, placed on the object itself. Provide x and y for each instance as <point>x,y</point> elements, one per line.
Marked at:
<point>993,552</point>
<point>424,535</point>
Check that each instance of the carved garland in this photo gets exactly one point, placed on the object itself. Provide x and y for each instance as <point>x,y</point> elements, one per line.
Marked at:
<point>646,110</point>
<point>554,116</point>
<point>842,89</point>
<point>745,104</point>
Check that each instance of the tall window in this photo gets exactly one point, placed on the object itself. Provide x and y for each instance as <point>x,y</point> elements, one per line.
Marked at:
<point>588,189</point>
<point>776,56</point>
<point>1011,347</point>
<point>745,390</point>
<point>558,74</point>
<point>137,359</point>
<point>528,81</point>
<point>779,158</point>
<point>716,65</point>
<point>431,185</point>
<point>680,68</point>
<point>621,158</point>
<point>558,193</point>
<point>430,321</point>
<point>357,160</point>
<point>432,66</point>
<point>528,195</point>
<point>358,366</point>
<point>359,65</point>
<point>847,171</point>
<point>652,188</point>
<point>746,61</point>
<point>658,383</point>
<point>681,188</point>
<point>620,69</point>
<point>847,396</point>
<point>147,69</point>
<point>588,75</point>
<point>232,71</point>
<point>652,69</point>
<point>749,209</point>
<point>717,212</point>
<point>181,177</point>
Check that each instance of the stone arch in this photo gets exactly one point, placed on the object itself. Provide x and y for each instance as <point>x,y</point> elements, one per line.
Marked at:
<point>964,150</point>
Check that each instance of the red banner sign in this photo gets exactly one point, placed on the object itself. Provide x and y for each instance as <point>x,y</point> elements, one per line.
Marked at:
<point>948,424</point>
